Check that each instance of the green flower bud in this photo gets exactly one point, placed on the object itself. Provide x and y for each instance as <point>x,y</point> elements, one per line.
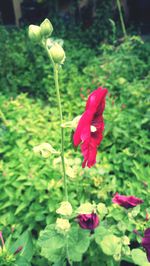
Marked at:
<point>34,33</point>
<point>57,53</point>
<point>46,28</point>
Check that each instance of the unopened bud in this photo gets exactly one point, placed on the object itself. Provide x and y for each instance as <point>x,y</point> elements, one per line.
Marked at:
<point>46,28</point>
<point>57,53</point>
<point>34,33</point>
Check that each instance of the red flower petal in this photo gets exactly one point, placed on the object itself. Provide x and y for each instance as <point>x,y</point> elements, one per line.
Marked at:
<point>126,201</point>
<point>91,117</point>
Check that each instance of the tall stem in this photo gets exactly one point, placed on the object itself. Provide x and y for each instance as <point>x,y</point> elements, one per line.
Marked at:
<point>62,130</point>
<point>121,19</point>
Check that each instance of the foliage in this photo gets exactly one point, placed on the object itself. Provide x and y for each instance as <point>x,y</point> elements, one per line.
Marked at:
<point>78,28</point>
<point>18,253</point>
<point>31,186</point>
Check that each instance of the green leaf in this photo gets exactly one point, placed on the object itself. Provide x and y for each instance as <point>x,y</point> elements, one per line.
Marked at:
<point>102,210</point>
<point>100,233</point>
<point>21,261</point>
<point>20,207</point>
<point>111,245</point>
<point>78,242</point>
<point>139,257</point>
<point>25,241</point>
<point>135,211</point>
<point>55,246</point>
<point>52,244</point>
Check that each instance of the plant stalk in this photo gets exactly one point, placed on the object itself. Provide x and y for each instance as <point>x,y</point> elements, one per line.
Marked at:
<point>121,19</point>
<point>62,130</point>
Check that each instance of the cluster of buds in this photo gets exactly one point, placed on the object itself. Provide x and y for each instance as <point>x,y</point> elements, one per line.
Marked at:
<point>85,216</point>
<point>41,34</point>
<point>65,210</point>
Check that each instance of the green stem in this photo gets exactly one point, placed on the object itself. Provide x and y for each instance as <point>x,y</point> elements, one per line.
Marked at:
<point>62,130</point>
<point>121,19</point>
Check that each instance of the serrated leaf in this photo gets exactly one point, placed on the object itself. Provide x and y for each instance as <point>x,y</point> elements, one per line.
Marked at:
<point>100,233</point>
<point>78,243</point>
<point>139,257</point>
<point>111,245</point>
<point>52,244</point>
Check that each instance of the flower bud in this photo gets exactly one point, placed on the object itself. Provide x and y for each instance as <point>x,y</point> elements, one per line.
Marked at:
<point>88,221</point>
<point>46,28</point>
<point>62,225</point>
<point>34,33</point>
<point>65,208</point>
<point>73,124</point>
<point>57,53</point>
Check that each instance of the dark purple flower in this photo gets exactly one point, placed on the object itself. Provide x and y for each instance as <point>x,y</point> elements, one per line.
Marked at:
<point>146,242</point>
<point>88,221</point>
<point>126,201</point>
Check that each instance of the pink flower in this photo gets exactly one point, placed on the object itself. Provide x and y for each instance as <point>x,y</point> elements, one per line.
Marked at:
<point>146,242</point>
<point>126,201</point>
<point>2,239</point>
<point>88,221</point>
<point>89,132</point>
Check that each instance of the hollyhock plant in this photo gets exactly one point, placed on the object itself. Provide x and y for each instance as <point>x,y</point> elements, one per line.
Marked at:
<point>88,221</point>
<point>146,242</point>
<point>89,132</point>
<point>126,201</point>
<point>67,239</point>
